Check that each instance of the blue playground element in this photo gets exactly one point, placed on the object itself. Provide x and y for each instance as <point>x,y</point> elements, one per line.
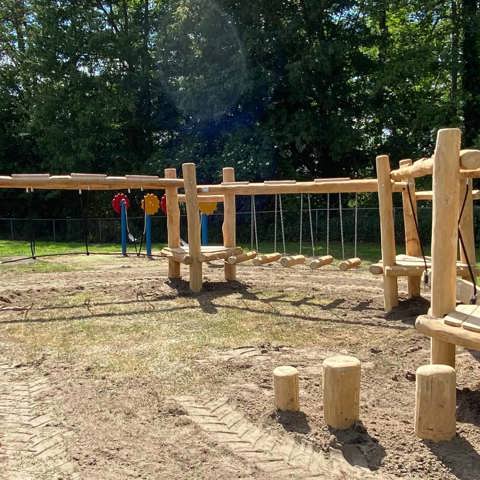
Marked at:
<point>123,226</point>
<point>148,235</point>
<point>204,228</point>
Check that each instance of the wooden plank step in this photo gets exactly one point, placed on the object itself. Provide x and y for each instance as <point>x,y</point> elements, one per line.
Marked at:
<point>465,316</point>
<point>437,328</point>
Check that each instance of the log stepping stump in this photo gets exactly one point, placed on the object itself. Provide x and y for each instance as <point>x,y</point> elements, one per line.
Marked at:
<point>435,402</point>
<point>285,385</point>
<point>341,391</point>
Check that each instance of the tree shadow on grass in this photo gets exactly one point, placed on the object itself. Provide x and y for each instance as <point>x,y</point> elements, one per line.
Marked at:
<point>209,304</point>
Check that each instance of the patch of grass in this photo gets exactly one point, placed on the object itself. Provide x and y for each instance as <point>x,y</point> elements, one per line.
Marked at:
<point>14,248</point>
<point>38,266</point>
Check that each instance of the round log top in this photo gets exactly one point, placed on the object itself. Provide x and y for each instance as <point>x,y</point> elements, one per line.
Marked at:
<point>341,361</point>
<point>429,370</point>
<point>285,371</point>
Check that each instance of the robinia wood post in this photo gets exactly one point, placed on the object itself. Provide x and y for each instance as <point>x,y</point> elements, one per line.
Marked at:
<point>412,241</point>
<point>173,223</point>
<point>229,223</point>
<point>341,391</point>
<point>446,190</point>
<point>193,220</point>
<point>466,224</point>
<point>435,403</point>
<point>286,389</point>
<point>387,230</point>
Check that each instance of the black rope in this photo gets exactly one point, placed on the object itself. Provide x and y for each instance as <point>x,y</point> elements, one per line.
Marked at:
<point>415,220</point>
<point>84,213</point>
<point>473,300</point>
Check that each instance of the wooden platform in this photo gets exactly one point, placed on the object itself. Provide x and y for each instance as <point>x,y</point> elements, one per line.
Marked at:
<point>408,266</point>
<point>460,327</point>
<point>208,253</point>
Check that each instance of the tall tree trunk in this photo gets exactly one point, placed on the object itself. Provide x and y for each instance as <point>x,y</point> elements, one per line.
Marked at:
<point>471,70</point>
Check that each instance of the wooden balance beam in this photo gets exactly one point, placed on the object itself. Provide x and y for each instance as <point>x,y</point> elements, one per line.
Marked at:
<point>350,263</point>
<point>267,258</point>
<point>291,260</point>
<point>321,262</point>
<point>243,257</point>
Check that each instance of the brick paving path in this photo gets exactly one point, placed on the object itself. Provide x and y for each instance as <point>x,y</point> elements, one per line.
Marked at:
<point>274,453</point>
<point>32,444</point>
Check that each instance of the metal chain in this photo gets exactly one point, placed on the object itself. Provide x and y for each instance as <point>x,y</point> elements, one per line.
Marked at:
<point>281,223</point>
<point>311,224</point>
<point>356,225</point>
<point>341,224</point>
<point>328,223</point>
<point>301,224</point>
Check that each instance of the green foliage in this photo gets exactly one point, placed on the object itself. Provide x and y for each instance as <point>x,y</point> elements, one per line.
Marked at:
<point>285,89</point>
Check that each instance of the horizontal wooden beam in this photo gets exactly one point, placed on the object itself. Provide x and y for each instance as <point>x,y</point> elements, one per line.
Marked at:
<point>427,195</point>
<point>436,328</point>
<point>317,186</point>
<point>81,181</point>
<point>469,165</point>
<point>204,198</point>
<point>420,168</point>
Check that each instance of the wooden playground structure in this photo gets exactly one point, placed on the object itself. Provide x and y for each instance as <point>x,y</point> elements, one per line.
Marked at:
<point>452,264</point>
<point>195,255</point>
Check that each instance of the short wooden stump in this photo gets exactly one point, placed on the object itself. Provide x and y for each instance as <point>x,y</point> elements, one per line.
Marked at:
<point>285,385</point>
<point>341,391</point>
<point>435,403</point>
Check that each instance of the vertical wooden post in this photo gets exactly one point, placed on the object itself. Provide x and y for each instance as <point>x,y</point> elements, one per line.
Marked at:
<point>412,242</point>
<point>286,389</point>
<point>341,391</point>
<point>466,224</point>
<point>446,183</point>
<point>387,230</point>
<point>435,403</point>
<point>173,223</point>
<point>193,220</point>
<point>229,223</point>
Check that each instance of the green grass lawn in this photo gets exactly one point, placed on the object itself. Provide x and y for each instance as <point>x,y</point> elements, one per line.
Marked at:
<point>9,248</point>
<point>369,252</point>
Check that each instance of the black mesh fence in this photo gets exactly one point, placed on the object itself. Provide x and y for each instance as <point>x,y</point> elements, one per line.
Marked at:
<point>107,230</point>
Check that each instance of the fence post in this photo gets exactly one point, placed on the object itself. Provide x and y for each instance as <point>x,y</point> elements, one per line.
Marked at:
<point>12,229</point>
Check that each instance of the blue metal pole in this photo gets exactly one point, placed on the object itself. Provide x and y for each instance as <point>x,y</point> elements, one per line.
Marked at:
<point>123,226</point>
<point>148,235</point>
<point>204,223</point>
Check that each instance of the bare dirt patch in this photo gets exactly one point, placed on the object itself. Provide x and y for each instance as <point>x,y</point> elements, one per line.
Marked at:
<point>117,344</point>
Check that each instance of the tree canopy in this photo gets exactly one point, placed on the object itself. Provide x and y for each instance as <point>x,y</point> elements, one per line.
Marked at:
<point>284,88</point>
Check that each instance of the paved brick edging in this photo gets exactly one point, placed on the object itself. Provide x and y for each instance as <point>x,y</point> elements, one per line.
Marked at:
<point>32,446</point>
<point>273,453</point>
